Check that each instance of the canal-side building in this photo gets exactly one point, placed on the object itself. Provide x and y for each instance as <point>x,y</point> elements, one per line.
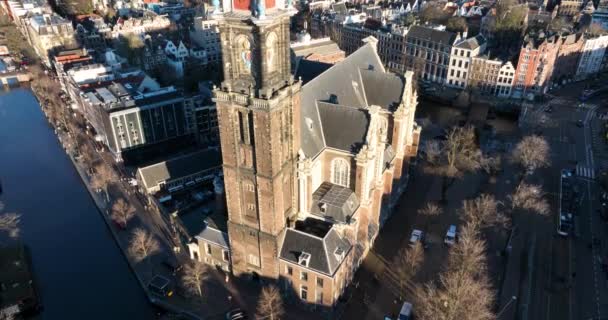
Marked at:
<point>460,60</point>
<point>135,125</point>
<point>592,56</point>
<point>428,52</point>
<point>48,34</point>
<point>491,76</point>
<point>181,172</point>
<point>305,198</point>
<point>567,59</point>
<point>535,65</point>
<point>64,61</point>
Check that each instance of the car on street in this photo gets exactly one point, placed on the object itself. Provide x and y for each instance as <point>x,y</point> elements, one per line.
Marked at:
<point>161,286</point>
<point>417,236</point>
<point>450,235</point>
<point>236,314</point>
<point>549,109</point>
<point>406,311</point>
<point>580,123</point>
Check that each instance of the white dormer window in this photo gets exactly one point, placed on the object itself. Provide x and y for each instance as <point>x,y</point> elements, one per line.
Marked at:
<point>339,253</point>
<point>304,259</point>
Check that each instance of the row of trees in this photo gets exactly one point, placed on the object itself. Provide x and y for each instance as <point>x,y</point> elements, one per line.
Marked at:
<point>9,222</point>
<point>463,289</point>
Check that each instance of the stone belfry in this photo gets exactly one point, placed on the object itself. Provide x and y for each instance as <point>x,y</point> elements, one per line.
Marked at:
<point>258,111</point>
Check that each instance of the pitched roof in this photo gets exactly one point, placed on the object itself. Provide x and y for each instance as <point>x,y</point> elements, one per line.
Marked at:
<point>382,89</point>
<point>426,33</point>
<point>349,137</point>
<point>335,202</point>
<point>179,167</point>
<point>214,236</point>
<point>343,92</point>
<point>472,43</point>
<point>308,70</point>
<point>322,250</point>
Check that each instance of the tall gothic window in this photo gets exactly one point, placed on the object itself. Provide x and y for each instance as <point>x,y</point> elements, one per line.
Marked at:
<point>340,172</point>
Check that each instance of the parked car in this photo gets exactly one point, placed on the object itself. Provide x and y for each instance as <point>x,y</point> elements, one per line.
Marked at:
<point>417,236</point>
<point>450,235</point>
<point>236,314</point>
<point>161,286</point>
<point>406,311</point>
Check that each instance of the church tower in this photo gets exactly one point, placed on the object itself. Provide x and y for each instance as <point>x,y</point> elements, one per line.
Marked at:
<point>258,111</point>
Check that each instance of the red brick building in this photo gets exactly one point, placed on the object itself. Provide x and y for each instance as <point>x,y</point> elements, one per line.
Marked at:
<point>311,171</point>
<point>535,65</point>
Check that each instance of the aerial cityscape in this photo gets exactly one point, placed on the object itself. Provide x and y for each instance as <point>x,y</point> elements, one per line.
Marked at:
<point>281,159</point>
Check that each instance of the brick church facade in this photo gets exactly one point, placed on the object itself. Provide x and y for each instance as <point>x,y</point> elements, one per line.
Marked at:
<point>311,171</point>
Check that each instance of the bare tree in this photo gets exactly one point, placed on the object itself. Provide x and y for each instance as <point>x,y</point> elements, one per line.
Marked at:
<point>103,177</point>
<point>483,212</point>
<point>122,212</point>
<point>531,153</point>
<point>143,245</point>
<point>463,290</point>
<point>456,297</point>
<point>431,211</point>
<point>433,13</point>
<point>194,276</point>
<point>270,305</point>
<point>529,197</point>
<point>467,256</point>
<point>408,262</point>
<point>9,222</point>
<point>454,157</point>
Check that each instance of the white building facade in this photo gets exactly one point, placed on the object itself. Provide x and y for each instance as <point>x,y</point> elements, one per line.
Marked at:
<point>591,56</point>
<point>460,60</point>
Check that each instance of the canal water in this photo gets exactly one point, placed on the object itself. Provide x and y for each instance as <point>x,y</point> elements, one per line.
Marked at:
<point>80,270</point>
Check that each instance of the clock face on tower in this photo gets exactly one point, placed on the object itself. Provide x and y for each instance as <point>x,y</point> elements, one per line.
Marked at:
<point>242,4</point>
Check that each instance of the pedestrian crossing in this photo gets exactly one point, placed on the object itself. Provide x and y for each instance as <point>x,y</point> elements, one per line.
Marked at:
<point>585,172</point>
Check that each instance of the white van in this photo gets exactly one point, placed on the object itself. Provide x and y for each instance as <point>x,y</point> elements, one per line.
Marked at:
<point>406,311</point>
<point>450,236</point>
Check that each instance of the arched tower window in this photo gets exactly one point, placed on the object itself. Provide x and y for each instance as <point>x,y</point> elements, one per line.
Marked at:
<point>383,128</point>
<point>271,52</point>
<point>340,172</point>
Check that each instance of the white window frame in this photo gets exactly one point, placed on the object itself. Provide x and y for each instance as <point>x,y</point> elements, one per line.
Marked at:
<point>342,177</point>
<point>303,290</point>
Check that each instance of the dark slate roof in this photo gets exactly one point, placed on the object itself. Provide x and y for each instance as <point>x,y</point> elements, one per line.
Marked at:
<point>472,43</point>
<point>181,166</point>
<point>345,84</point>
<point>335,202</point>
<point>214,236</point>
<point>322,250</point>
<point>308,70</point>
<point>426,33</point>
<point>344,128</point>
<point>382,89</point>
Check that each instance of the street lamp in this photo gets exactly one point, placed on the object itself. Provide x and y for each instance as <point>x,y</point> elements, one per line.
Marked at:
<point>513,298</point>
